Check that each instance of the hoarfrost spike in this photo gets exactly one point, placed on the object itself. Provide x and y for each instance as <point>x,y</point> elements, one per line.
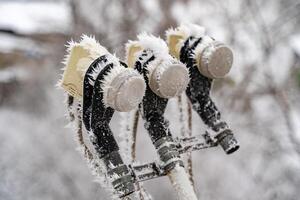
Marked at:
<point>123,88</point>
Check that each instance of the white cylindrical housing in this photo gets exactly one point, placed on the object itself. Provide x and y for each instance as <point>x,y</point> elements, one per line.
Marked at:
<point>169,80</point>
<point>125,91</point>
<point>215,61</point>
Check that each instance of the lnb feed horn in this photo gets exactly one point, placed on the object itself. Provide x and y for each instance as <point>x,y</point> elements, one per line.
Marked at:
<point>167,77</point>
<point>206,60</point>
<point>123,88</point>
<point>213,59</point>
<point>103,84</point>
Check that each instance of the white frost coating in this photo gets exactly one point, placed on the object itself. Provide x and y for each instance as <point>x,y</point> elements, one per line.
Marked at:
<point>182,184</point>
<point>146,42</point>
<point>206,41</point>
<point>126,128</point>
<point>158,47</point>
<point>136,195</point>
<point>96,166</point>
<point>163,59</point>
<point>183,116</point>
<point>172,160</point>
<point>212,133</point>
<point>170,86</point>
<point>99,171</point>
<point>162,63</point>
<point>108,78</point>
<point>166,144</point>
<point>93,46</point>
<point>185,30</point>
<point>128,46</point>
<point>156,44</point>
<point>95,50</point>
<point>90,44</point>
<point>70,44</point>
<point>93,75</point>
<point>132,196</point>
<point>185,131</point>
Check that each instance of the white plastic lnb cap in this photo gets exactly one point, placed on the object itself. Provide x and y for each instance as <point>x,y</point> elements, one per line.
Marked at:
<point>216,60</point>
<point>126,91</point>
<point>169,81</point>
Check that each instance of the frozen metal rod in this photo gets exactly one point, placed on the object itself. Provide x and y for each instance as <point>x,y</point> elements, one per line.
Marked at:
<point>153,170</point>
<point>195,143</point>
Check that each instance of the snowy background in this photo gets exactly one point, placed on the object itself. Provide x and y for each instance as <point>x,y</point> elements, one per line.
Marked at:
<point>260,98</point>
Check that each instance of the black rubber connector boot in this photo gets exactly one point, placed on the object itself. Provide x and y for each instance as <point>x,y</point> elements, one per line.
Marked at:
<point>121,176</point>
<point>168,153</point>
<point>227,141</point>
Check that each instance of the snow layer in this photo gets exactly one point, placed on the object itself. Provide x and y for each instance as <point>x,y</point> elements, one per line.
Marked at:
<point>93,46</point>
<point>35,17</point>
<point>13,73</point>
<point>156,44</point>
<point>295,43</point>
<point>10,43</point>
